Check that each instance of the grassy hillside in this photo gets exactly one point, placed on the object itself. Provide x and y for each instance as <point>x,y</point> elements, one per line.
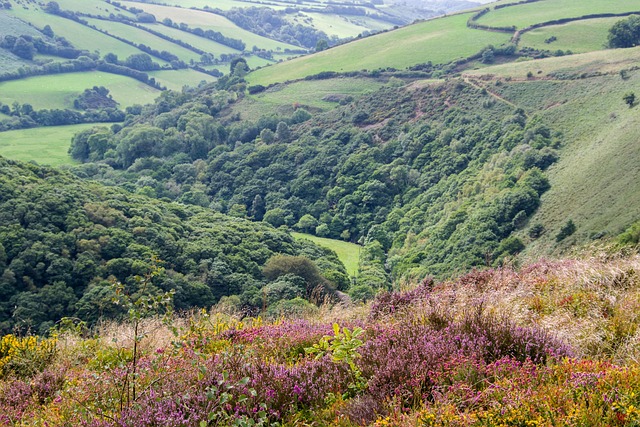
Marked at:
<point>211,21</point>
<point>59,91</point>
<point>554,343</point>
<point>47,146</point>
<point>593,183</point>
<point>523,15</point>
<point>578,36</point>
<point>348,253</point>
<point>439,40</point>
<point>176,79</point>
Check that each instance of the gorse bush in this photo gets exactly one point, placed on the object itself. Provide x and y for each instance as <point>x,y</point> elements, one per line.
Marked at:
<point>25,356</point>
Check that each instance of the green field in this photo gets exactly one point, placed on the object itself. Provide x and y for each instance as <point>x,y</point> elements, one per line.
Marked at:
<point>340,26</point>
<point>93,7</point>
<point>80,36</point>
<point>547,10</point>
<point>306,93</point>
<point>210,21</point>
<point>59,90</point>
<point>46,145</point>
<point>143,37</point>
<point>603,61</point>
<point>439,41</point>
<point>595,181</point>
<point>176,79</point>
<point>10,62</point>
<point>577,36</point>
<point>195,41</point>
<point>10,25</point>
<point>348,253</point>
<point>201,4</point>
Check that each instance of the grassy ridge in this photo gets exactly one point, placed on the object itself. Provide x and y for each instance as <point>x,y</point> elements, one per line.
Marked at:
<point>578,36</point>
<point>47,146</point>
<point>81,36</point>
<point>305,93</point>
<point>595,180</point>
<point>547,10</point>
<point>206,21</point>
<point>143,37</point>
<point>439,41</point>
<point>60,90</point>
<point>176,79</point>
<point>348,253</point>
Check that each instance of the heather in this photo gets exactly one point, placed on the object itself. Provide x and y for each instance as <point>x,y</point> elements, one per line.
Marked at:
<point>550,343</point>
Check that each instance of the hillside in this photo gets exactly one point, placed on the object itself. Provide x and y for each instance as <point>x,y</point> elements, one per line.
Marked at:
<point>64,243</point>
<point>554,343</point>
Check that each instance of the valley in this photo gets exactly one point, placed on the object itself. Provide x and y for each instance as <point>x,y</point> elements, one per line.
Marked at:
<point>346,214</point>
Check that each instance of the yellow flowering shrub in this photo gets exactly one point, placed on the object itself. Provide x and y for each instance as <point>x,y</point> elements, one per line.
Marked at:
<point>25,356</point>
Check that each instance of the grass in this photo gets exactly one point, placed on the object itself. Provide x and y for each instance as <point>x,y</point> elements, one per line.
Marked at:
<point>595,181</point>
<point>206,21</point>
<point>93,7</point>
<point>195,41</point>
<point>9,61</point>
<point>143,37</point>
<point>578,36</point>
<point>59,90</point>
<point>439,41</point>
<point>176,79</point>
<point>45,145</point>
<point>532,13</point>
<point>348,253</point>
<point>305,93</point>
<point>80,36</point>
<point>11,26</point>
<point>333,24</point>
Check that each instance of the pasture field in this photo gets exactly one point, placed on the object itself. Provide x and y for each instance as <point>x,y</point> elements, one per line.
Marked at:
<point>348,253</point>
<point>307,93</point>
<point>93,7</point>
<point>199,42</point>
<point>595,181</point>
<point>210,21</point>
<point>201,4</point>
<point>603,61</point>
<point>143,37</point>
<point>45,145</point>
<point>438,40</point>
<point>9,61</point>
<point>176,79</point>
<point>546,10</point>
<point>12,26</point>
<point>80,36</point>
<point>329,23</point>
<point>59,90</point>
<point>578,36</point>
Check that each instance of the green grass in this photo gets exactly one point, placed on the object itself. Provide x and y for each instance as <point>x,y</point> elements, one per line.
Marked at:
<point>348,253</point>
<point>176,79</point>
<point>438,40</point>
<point>341,26</point>
<point>195,41</point>
<point>93,7</point>
<point>604,61</point>
<point>10,62</point>
<point>595,181</point>
<point>578,36</point>
<point>200,4</point>
<point>79,35</point>
<point>546,10</point>
<point>46,145</point>
<point>306,93</point>
<point>59,90</point>
<point>12,26</point>
<point>210,21</point>
<point>139,36</point>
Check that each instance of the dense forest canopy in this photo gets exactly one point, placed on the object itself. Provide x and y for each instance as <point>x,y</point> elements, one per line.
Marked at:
<point>432,180</point>
<point>64,242</point>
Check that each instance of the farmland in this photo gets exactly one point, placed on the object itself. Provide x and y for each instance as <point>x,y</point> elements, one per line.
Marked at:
<point>47,146</point>
<point>523,15</point>
<point>577,36</point>
<point>439,41</point>
<point>349,253</point>
<point>59,91</point>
